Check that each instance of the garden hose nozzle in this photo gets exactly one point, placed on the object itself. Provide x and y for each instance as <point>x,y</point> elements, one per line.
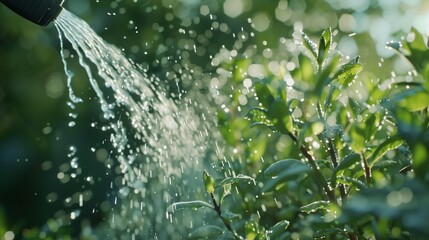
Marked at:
<point>41,12</point>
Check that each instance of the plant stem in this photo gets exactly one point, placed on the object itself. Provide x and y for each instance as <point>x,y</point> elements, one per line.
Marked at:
<point>320,179</point>
<point>366,168</point>
<point>334,159</point>
<point>219,213</point>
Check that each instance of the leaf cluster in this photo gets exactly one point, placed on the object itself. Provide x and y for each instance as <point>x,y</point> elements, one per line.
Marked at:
<point>354,169</point>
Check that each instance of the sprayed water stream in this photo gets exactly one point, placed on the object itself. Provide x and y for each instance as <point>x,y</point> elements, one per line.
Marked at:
<point>157,140</point>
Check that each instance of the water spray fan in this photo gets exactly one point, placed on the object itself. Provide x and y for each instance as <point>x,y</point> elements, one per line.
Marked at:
<point>40,12</point>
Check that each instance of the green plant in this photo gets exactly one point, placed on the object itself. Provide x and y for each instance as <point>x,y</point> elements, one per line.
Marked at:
<point>348,174</point>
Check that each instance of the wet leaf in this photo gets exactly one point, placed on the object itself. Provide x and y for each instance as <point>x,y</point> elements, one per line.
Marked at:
<point>332,131</point>
<point>418,50</point>
<point>395,45</point>
<point>280,116</point>
<point>226,191</point>
<point>264,94</point>
<point>209,182</point>
<point>259,116</point>
<point>305,131</point>
<point>421,161</point>
<point>390,144</point>
<point>306,68</point>
<point>356,107</point>
<point>187,205</point>
<point>286,166</point>
<point>324,45</point>
<point>415,49</point>
<point>310,45</point>
<point>238,178</point>
<point>415,102</point>
<point>351,181</point>
<point>347,73</point>
<point>357,139</point>
<point>283,171</point>
<point>275,231</point>
<point>207,232</point>
<point>413,99</point>
<point>229,215</point>
<point>325,75</point>
<point>348,161</point>
<point>251,230</point>
<point>258,147</point>
<point>314,206</point>
<point>333,94</point>
<point>355,60</point>
<point>292,104</point>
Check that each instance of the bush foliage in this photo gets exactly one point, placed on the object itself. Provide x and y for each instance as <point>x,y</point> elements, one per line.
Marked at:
<point>345,167</point>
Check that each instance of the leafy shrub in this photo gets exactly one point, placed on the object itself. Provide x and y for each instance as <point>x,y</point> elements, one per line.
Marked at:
<point>314,158</point>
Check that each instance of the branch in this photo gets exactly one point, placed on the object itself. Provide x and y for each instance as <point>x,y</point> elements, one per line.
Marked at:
<point>218,210</point>
<point>334,159</point>
<point>366,168</point>
<point>319,177</point>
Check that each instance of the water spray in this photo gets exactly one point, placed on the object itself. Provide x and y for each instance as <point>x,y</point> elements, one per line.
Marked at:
<point>40,12</point>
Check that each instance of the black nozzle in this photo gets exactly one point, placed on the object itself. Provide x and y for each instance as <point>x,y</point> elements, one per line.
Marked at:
<point>40,12</point>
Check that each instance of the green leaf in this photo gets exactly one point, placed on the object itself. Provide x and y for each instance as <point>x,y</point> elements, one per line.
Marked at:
<point>226,191</point>
<point>233,180</point>
<point>418,49</point>
<point>259,116</point>
<point>356,107</point>
<point>292,104</point>
<point>354,60</point>
<point>390,144</point>
<point>229,215</point>
<point>415,102</point>
<point>207,232</point>
<point>357,139</point>
<point>306,68</point>
<point>351,181</point>
<point>395,45</point>
<point>348,161</point>
<point>418,42</point>
<point>413,99</point>
<point>421,160</point>
<point>324,46</point>
<point>277,230</point>
<point>209,182</point>
<point>333,94</point>
<point>287,169</point>
<point>325,74</point>
<point>314,206</point>
<point>415,49</point>
<point>251,230</point>
<point>347,73</point>
<point>305,131</point>
<point>310,45</point>
<point>280,116</point>
<point>283,171</point>
<point>187,205</point>
<point>257,147</point>
<point>332,131</point>
<point>264,94</point>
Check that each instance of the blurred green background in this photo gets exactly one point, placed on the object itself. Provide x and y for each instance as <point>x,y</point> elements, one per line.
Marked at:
<point>36,142</point>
